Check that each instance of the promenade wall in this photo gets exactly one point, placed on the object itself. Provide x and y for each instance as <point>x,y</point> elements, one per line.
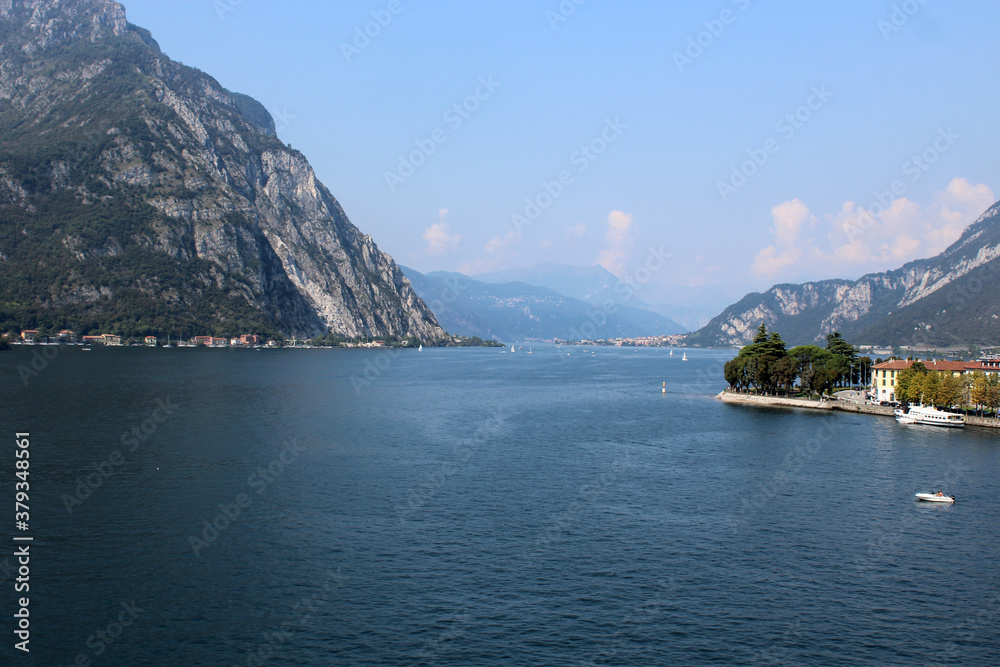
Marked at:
<point>833,404</point>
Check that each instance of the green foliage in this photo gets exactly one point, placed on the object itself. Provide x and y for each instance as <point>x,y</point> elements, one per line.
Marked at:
<point>918,384</point>
<point>837,345</point>
<point>87,267</point>
<point>950,391</point>
<point>82,257</point>
<point>766,366</point>
<point>473,341</point>
<point>985,390</point>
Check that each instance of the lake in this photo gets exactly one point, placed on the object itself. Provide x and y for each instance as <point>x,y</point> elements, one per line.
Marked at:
<point>479,507</point>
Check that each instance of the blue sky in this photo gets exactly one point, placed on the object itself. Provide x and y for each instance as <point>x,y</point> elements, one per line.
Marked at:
<point>755,142</point>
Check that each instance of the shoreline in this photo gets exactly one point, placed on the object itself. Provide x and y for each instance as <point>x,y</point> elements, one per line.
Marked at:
<point>727,396</point>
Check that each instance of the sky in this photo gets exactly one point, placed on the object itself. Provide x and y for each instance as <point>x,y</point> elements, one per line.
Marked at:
<point>750,142</point>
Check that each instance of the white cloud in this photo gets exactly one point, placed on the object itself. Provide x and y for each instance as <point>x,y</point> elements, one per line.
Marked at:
<point>501,243</point>
<point>439,240</point>
<point>859,240</point>
<point>788,220</point>
<point>619,242</point>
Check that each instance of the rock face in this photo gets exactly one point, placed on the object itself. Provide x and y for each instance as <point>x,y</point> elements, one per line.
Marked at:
<point>138,194</point>
<point>950,299</point>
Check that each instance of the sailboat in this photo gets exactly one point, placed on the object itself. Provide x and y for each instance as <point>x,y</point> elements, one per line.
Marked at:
<point>671,352</point>
<point>421,348</point>
<point>512,349</point>
<point>685,357</point>
<point>529,351</point>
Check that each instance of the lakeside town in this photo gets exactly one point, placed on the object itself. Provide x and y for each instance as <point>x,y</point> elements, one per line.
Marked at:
<point>767,372</point>
<point>69,337</point>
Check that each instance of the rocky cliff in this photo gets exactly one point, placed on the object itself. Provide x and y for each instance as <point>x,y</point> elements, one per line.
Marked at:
<point>139,195</point>
<point>950,299</point>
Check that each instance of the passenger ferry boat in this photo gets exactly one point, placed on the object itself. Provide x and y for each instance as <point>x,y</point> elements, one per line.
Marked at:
<point>926,414</point>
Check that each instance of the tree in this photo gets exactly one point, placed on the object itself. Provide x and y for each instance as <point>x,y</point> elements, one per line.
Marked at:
<point>784,371</point>
<point>810,359</point>
<point>762,365</point>
<point>979,390</point>
<point>836,344</point>
<point>841,348</point>
<point>761,335</point>
<point>910,383</point>
<point>993,391</point>
<point>929,386</point>
<point>950,391</point>
<point>986,390</point>
<point>735,372</point>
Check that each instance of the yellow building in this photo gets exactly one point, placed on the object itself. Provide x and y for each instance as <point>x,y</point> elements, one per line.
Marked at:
<point>884,375</point>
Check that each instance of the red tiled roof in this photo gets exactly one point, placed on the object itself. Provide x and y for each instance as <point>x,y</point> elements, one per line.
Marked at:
<point>940,366</point>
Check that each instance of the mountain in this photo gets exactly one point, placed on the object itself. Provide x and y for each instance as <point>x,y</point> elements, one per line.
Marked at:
<point>138,195</point>
<point>517,311</point>
<point>597,286</point>
<point>950,299</point>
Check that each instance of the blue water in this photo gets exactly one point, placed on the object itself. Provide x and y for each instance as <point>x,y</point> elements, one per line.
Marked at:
<point>472,507</point>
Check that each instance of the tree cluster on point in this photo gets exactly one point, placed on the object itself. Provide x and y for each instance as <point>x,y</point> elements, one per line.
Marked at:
<point>765,366</point>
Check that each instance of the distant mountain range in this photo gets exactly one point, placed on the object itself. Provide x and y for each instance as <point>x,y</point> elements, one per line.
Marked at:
<point>517,311</point>
<point>691,307</point>
<point>950,299</point>
<point>139,196</point>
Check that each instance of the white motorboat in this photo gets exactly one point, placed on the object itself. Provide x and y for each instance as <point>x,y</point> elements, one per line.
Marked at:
<point>935,497</point>
<point>926,414</point>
